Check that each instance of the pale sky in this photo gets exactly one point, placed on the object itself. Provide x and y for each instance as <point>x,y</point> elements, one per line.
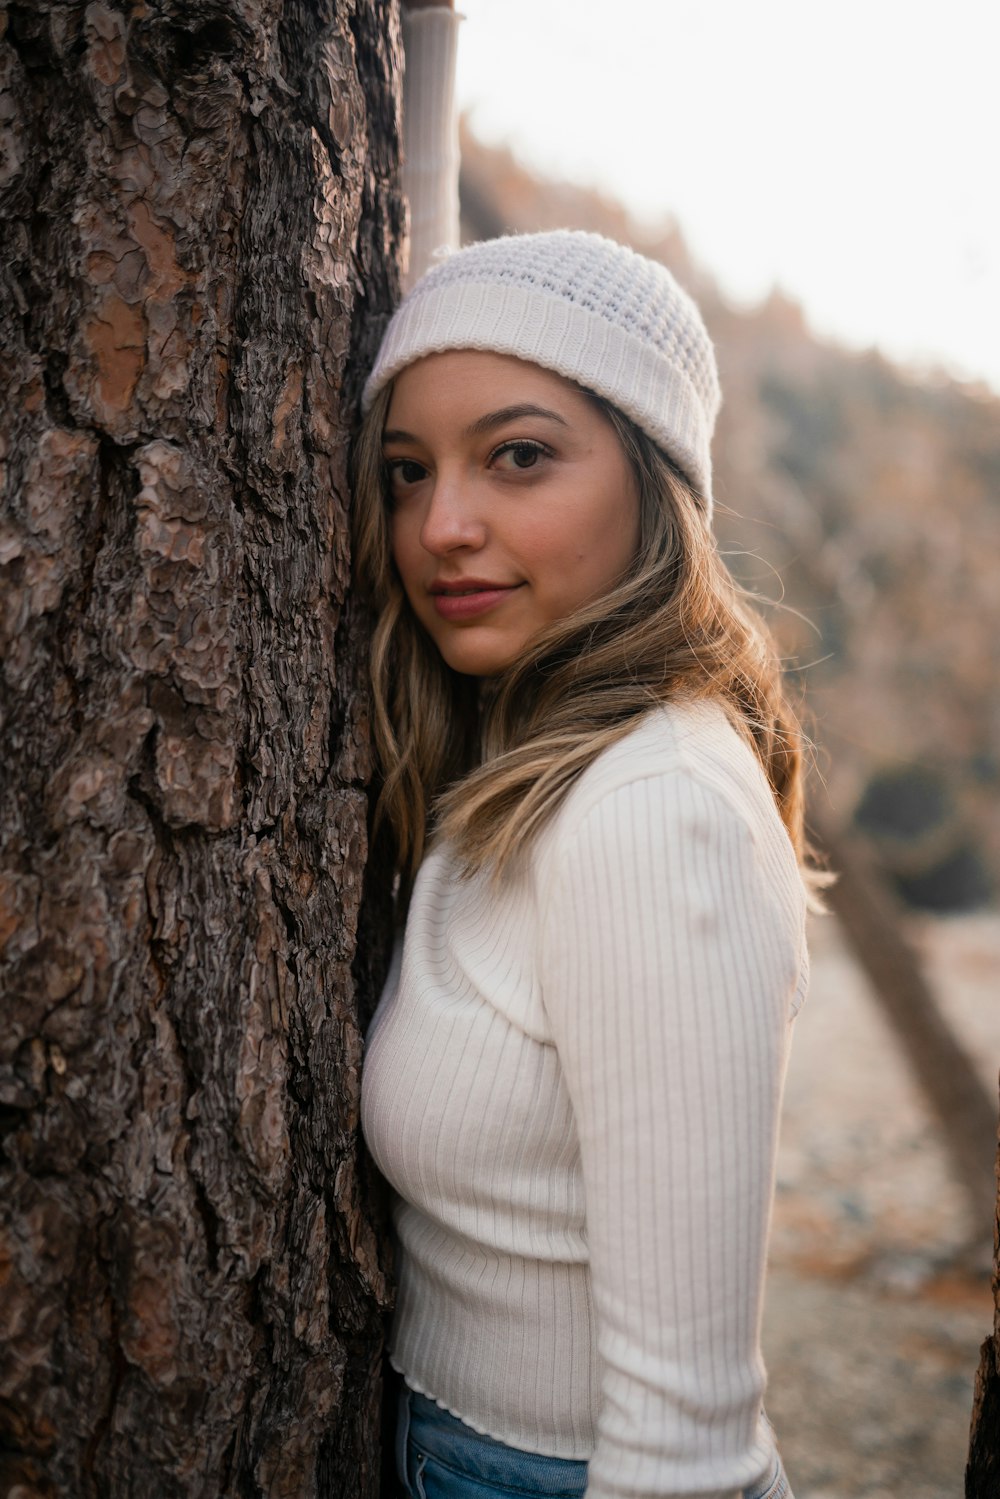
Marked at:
<point>848,152</point>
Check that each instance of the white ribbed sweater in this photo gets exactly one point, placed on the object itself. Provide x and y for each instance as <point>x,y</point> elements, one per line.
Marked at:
<point>573,1084</point>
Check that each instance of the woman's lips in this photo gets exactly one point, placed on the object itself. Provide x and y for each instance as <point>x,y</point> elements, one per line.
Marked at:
<point>474,599</point>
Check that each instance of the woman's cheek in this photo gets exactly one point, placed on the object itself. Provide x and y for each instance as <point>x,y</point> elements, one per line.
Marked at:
<point>399,544</point>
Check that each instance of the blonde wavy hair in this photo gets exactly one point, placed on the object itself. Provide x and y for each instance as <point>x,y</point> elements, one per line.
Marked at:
<point>486,769</point>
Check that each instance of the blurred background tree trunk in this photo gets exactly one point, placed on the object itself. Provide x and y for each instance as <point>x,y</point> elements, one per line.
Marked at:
<point>982,1473</point>
<point>201,226</point>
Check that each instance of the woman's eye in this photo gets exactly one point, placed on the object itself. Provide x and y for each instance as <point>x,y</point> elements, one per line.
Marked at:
<point>405,471</point>
<point>519,454</point>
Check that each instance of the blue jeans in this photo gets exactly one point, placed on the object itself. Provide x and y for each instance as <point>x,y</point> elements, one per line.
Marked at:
<point>439,1457</point>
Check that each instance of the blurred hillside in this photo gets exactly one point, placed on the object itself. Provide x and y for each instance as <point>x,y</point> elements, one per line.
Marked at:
<point>865,503</point>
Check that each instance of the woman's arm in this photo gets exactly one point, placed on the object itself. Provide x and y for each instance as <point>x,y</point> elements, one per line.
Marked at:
<point>669,964</point>
<point>430,131</point>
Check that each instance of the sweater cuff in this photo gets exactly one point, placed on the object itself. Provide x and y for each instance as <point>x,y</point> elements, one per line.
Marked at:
<point>430,135</point>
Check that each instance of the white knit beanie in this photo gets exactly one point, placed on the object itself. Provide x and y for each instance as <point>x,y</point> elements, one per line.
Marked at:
<point>592,310</point>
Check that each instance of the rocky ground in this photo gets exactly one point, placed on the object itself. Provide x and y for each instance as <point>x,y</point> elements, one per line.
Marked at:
<point>876,1306</point>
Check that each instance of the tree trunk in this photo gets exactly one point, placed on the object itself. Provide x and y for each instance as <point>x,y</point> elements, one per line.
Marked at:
<point>201,225</point>
<point>982,1473</point>
<point>871,920</point>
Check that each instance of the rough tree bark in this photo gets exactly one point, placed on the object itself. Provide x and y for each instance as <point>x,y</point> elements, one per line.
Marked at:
<point>201,225</point>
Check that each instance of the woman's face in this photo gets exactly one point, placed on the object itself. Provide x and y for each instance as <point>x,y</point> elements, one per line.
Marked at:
<point>512,503</point>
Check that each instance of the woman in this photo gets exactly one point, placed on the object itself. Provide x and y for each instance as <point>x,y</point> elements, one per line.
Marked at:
<point>593,785</point>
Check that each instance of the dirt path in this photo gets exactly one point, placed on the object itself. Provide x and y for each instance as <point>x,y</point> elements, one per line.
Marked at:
<point>874,1314</point>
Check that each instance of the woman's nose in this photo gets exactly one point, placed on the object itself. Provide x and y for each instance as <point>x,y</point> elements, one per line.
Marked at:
<point>452,520</point>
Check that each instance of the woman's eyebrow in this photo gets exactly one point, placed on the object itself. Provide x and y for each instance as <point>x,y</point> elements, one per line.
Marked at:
<point>512,414</point>
<point>488,422</point>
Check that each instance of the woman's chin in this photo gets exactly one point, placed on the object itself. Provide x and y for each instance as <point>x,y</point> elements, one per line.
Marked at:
<point>471,664</point>
<point>479,658</point>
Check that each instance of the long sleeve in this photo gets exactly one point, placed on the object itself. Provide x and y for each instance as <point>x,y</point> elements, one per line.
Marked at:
<point>430,134</point>
<point>669,963</point>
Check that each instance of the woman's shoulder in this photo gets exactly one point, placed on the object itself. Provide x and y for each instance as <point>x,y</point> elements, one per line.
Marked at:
<point>675,828</point>
<point>674,740</point>
<point>678,755</point>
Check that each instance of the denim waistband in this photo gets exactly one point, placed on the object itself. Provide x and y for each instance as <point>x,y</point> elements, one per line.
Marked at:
<point>427,1430</point>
